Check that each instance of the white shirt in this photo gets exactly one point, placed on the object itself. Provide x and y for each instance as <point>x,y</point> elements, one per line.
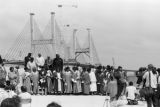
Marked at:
<point>40,61</point>
<point>3,95</point>
<point>11,94</point>
<point>131,90</point>
<point>31,65</point>
<point>92,76</point>
<point>25,96</point>
<point>49,73</point>
<point>153,79</point>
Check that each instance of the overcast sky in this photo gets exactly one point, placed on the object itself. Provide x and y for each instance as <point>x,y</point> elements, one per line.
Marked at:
<point>127,30</point>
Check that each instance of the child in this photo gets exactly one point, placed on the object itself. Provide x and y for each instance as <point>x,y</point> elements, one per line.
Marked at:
<point>43,82</point>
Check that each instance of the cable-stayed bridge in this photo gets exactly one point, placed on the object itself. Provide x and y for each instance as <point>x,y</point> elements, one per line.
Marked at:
<point>50,42</point>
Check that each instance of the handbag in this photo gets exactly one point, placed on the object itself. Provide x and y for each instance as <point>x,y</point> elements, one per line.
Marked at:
<point>147,91</point>
<point>132,102</point>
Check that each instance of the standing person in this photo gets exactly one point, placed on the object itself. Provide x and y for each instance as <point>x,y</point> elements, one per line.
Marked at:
<point>82,81</point>
<point>120,75</point>
<point>158,87</point>
<point>26,59</point>
<point>67,80</point>
<point>49,76</point>
<point>151,81</point>
<point>48,62</point>
<point>27,81</point>
<point>78,79</point>
<point>87,82</point>
<point>58,63</point>
<point>139,75</point>
<point>40,61</point>
<point>17,73</point>
<point>112,88</point>
<point>35,79</point>
<point>74,80</point>
<point>43,82</point>
<point>13,77</point>
<point>21,78</point>
<point>55,82</point>
<point>31,64</point>
<point>93,85</point>
<point>3,74</point>
<point>107,74</point>
<point>1,60</point>
<point>59,80</point>
<point>98,77</point>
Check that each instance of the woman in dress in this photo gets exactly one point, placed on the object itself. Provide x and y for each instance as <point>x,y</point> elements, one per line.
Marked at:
<point>21,73</point>
<point>93,85</point>
<point>87,82</point>
<point>35,79</point>
<point>78,79</point>
<point>74,80</point>
<point>67,80</point>
<point>13,77</point>
<point>112,88</point>
<point>49,76</point>
<point>59,78</point>
<point>27,81</point>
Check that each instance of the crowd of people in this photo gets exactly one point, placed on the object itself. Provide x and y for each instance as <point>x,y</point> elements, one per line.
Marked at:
<point>47,76</point>
<point>51,77</point>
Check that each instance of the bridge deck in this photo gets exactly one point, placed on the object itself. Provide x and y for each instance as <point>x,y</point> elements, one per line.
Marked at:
<point>74,101</point>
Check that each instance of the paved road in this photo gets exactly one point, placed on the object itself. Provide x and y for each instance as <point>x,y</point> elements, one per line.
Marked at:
<point>74,101</point>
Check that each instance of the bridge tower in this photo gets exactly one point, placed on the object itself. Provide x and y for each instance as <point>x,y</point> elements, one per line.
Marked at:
<point>87,51</point>
<point>42,41</point>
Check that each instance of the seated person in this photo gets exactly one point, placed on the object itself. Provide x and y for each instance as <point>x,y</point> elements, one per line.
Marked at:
<point>10,91</point>
<point>25,97</point>
<point>131,92</point>
<point>3,92</point>
<point>53,104</point>
<point>11,102</point>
